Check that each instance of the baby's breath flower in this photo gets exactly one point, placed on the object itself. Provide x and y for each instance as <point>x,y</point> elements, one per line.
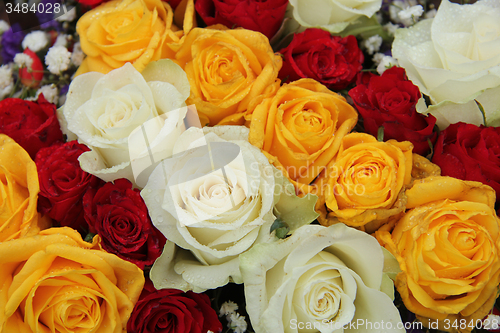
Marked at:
<point>58,59</point>
<point>372,44</point>
<point>4,26</point>
<point>62,40</point>
<point>411,14</point>
<point>227,308</point>
<point>6,80</point>
<point>391,28</point>
<point>237,323</point>
<point>35,41</point>
<point>23,60</point>
<point>77,55</point>
<point>50,92</point>
<point>377,58</point>
<point>386,63</point>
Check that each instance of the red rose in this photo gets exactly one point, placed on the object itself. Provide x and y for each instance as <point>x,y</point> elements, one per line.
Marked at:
<point>172,310</point>
<point>32,125</point>
<point>119,215</point>
<point>63,183</point>
<point>468,152</point>
<point>264,16</point>
<point>389,100</point>
<point>33,77</point>
<point>173,3</point>
<point>334,61</point>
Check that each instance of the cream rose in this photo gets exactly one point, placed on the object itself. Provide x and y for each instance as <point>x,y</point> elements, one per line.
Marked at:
<point>320,279</point>
<point>121,114</point>
<point>332,15</point>
<point>454,59</point>
<point>213,200</point>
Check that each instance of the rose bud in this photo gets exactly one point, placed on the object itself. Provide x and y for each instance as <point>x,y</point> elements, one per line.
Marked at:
<point>33,76</point>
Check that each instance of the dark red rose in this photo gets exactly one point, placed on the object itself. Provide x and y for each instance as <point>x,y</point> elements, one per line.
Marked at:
<point>334,61</point>
<point>172,311</point>
<point>33,125</point>
<point>264,16</point>
<point>469,152</point>
<point>63,183</point>
<point>173,3</point>
<point>389,100</point>
<point>119,215</point>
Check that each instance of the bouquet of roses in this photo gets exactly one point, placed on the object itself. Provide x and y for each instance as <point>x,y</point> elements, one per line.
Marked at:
<point>249,166</point>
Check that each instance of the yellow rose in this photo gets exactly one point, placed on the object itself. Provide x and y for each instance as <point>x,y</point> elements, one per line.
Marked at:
<point>364,185</point>
<point>56,282</point>
<point>19,193</point>
<point>448,246</point>
<point>299,129</point>
<point>227,70</point>
<point>135,31</point>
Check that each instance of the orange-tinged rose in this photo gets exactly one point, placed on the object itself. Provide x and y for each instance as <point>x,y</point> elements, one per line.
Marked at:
<point>365,183</point>
<point>227,70</point>
<point>135,31</point>
<point>18,193</point>
<point>300,127</point>
<point>56,282</point>
<point>447,244</point>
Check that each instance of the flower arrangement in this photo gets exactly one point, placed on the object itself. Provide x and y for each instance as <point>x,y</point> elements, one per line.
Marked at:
<point>241,166</point>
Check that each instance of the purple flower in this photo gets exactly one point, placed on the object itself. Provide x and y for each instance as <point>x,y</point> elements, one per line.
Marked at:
<point>11,43</point>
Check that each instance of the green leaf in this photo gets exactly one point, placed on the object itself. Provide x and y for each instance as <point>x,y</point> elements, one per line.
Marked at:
<point>291,209</point>
<point>365,28</point>
<point>89,237</point>
<point>480,106</point>
<point>281,228</point>
<point>380,134</point>
<point>282,232</point>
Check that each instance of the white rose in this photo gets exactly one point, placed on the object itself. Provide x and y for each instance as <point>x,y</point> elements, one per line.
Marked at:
<point>113,113</point>
<point>454,58</point>
<point>213,204</point>
<point>332,15</point>
<point>320,279</point>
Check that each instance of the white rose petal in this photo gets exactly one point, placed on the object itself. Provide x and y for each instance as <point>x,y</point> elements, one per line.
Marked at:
<point>321,277</point>
<point>214,199</point>
<point>332,15</point>
<point>212,202</point>
<point>110,114</point>
<point>454,57</point>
